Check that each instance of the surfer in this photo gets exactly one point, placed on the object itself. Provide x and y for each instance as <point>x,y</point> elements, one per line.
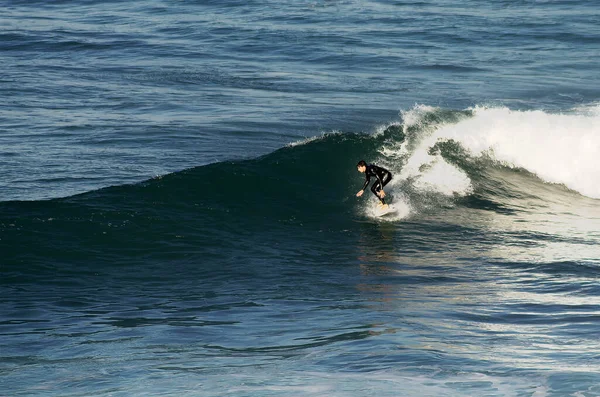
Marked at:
<point>383,177</point>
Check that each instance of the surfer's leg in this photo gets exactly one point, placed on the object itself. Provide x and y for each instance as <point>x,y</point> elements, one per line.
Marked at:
<point>387,178</point>
<point>376,188</point>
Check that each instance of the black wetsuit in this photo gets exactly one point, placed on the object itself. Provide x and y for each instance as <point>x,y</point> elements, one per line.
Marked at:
<point>383,177</point>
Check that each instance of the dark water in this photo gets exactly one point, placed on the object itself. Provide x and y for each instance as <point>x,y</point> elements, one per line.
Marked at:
<point>178,211</point>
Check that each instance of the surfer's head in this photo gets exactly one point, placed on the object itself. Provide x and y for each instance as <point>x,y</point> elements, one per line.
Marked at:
<point>361,166</point>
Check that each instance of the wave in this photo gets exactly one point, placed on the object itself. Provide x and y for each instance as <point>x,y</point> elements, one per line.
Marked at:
<point>485,159</point>
<point>496,152</point>
<point>436,156</point>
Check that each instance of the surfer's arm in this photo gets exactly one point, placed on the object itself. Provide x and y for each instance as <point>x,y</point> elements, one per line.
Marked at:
<point>361,191</point>
<point>367,180</point>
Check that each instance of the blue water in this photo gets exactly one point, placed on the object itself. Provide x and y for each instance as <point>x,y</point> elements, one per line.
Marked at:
<point>178,212</point>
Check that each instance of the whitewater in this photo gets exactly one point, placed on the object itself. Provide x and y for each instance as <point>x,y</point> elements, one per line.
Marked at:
<point>558,148</point>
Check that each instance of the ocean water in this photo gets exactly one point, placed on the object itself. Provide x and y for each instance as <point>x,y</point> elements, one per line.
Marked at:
<point>178,213</point>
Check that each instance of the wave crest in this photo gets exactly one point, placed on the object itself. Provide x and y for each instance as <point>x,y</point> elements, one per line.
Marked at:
<point>558,148</point>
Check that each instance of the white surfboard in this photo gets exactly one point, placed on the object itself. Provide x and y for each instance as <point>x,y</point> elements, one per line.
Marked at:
<point>390,209</point>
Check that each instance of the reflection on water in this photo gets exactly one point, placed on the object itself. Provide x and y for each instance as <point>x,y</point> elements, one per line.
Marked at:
<point>480,288</point>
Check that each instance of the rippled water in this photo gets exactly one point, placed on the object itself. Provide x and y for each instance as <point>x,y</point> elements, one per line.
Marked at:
<point>178,211</point>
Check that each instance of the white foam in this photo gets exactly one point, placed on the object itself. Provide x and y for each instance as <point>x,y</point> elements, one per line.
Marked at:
<point>414,117</point>
<point>403,210</point>
<point>559,148</point>
<point>304,141</point>
<point>430,173</point>
<point>592,110</point>
<point>313,138</point>
<point>445,178</point>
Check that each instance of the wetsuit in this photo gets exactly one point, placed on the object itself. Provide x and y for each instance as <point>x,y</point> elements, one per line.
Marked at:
<point>383,177</point>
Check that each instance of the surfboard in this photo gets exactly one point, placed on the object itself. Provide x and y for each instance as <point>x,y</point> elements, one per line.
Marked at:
<point>385,211</point>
